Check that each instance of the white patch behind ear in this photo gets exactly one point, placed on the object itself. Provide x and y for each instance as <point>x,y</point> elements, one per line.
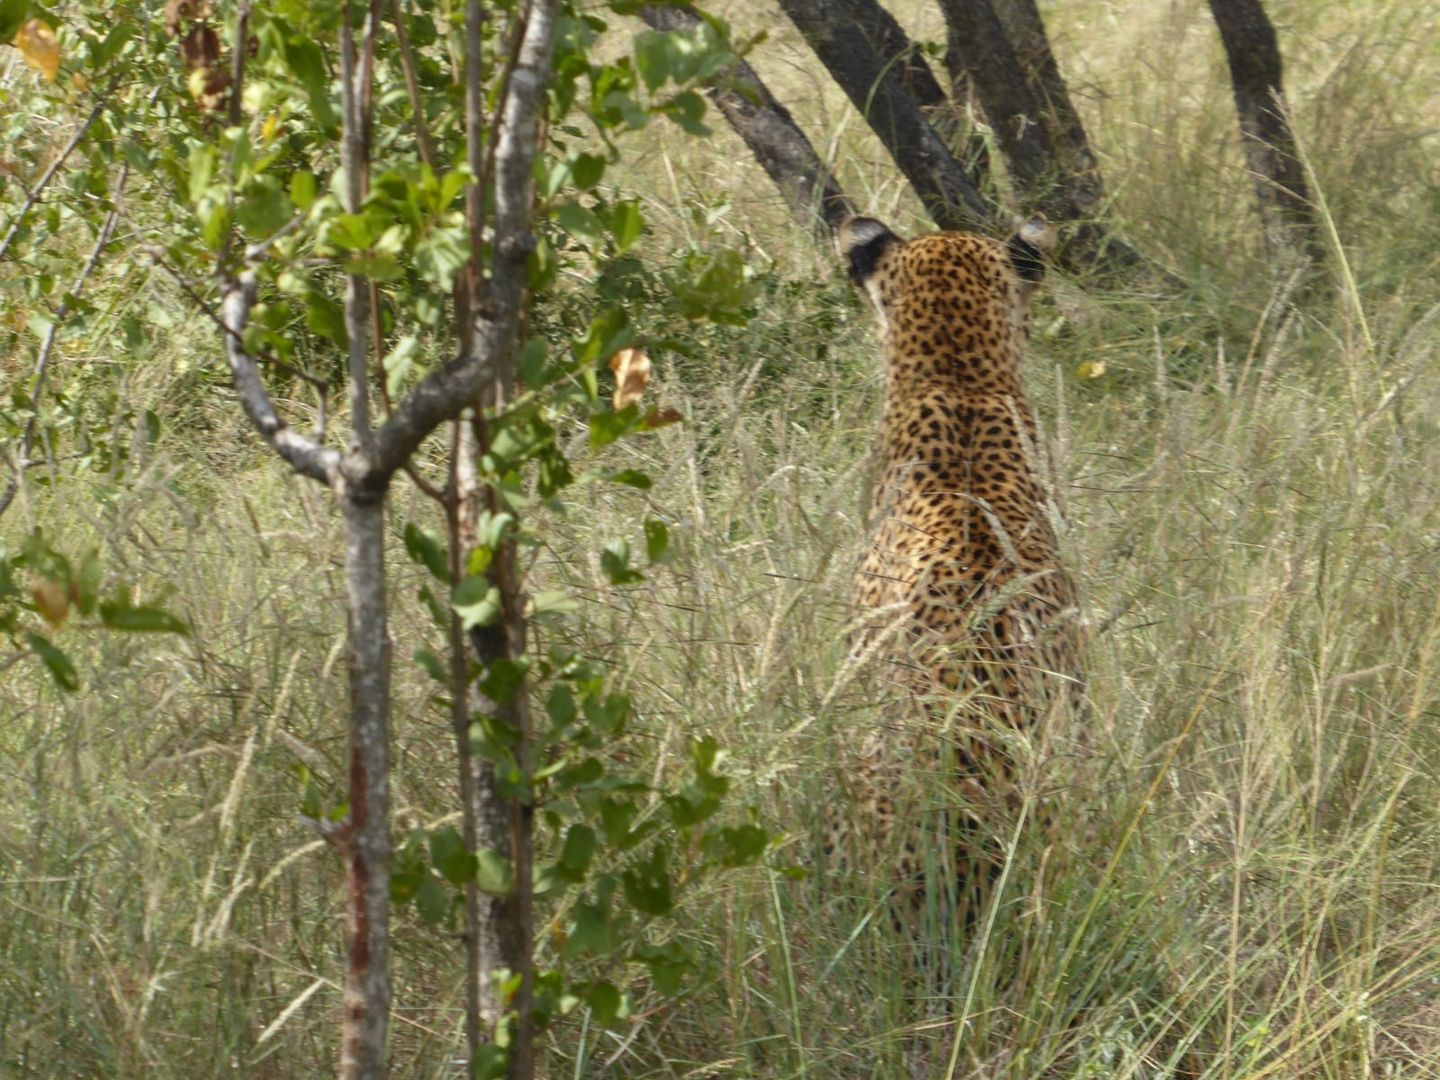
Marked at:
<point>1039,233</point>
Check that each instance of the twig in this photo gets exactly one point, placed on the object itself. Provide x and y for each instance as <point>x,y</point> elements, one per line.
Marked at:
<point>412,86</point>
<point>354,159</point>
<point>305,455</point>
<point>237,88</point>
<point>55,166</point>
<point>42,362</point>
<point>321,385</point>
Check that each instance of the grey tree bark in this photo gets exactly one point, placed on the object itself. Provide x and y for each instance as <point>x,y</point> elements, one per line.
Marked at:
<point>1252,52</point>
<point>359,478</point>
<point>805,182</point>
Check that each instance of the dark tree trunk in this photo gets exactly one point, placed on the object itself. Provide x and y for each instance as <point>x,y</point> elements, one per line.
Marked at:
<point>1011,68</point>
<point>806,183</point>
<point>1253,54</point>
<point>897,51</point>
<point>877,90</point>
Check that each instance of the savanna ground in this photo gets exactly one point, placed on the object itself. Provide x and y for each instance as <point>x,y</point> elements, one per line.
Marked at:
<point>1246,880</point>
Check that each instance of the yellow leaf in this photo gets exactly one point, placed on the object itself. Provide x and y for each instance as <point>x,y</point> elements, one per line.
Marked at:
<point>269,129</point>
<point>37,44</point>
<point>632,374</point>
<point>196,82</point>
<point>52,601</point>
<point>79,81</point>
<point>1090,369</point>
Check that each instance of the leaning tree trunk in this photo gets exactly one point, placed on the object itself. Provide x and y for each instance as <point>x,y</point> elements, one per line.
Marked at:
<point>1009,64</point>
<point>1253,53</point>
<point>877,90</point>
<point>767,128</point>
<point>895,49</point>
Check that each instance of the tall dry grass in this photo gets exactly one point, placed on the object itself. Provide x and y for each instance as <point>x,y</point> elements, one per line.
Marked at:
<point>1245,883</point>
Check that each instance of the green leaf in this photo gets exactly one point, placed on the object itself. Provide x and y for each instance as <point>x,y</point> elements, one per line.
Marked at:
<point>307,63</point>
<point>560,706</point>
<point>615,561</point>
<point>214,218</point>
<point>119,615</point>
<point>264,209</point>
<point>502,678</point>
<point>630,477</point>
<point>608,333</point>
<point>626,224</point>
<point>494,875</point>
<point>491,1063</point>
<point>606,427</point>
<point>398,362</point>
<point>607,716</point>
<point>425,548</point>
<point>604,1002</point>
<point>441,254</point>
<point>477,602</point>
<point>553,602</point>
<point>590,933</point>
<point>579,221</point>
<point>431,901</point>
<point>647,884</point>
<point>530,365</point>
<point>579,849</point>
<point>61,669</point>
<point>203,159</point>
<point>586,170</point>
<point>653,51</point>
<point>431,664</point>
<point>738,846</point>
<point>447,852</point>
<point>382,267</point>
<point>657,540</point>
<point>86,583</point>
<point>303,188</point>
<point>12,14</point>
<point>326,318</point>
<point>686,110</point>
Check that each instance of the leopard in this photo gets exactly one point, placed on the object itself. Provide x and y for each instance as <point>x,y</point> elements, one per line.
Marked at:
<point>964,604</point>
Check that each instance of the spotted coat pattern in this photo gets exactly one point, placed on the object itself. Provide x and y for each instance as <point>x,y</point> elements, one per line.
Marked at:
<point>965,604</point>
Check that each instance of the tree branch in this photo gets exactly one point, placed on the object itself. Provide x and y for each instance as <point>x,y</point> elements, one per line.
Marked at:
<point>42,362</point>
<point>354,159</point>
<point>304,455</point>
<point>55,166</point>
<point>446,392</point>
<point>767,128</point>
<point>877,91</point>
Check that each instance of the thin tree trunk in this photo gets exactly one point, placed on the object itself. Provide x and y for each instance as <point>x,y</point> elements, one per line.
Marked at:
<point>947,193</point>
<point>366,835</point>
<point>1253,54</point>
<point>805,182</point>
<point>505,925</point>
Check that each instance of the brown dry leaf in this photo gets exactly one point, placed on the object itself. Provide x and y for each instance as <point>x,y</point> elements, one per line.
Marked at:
<point>52,601</point>
<point>200,47</point>
<point>38,45</point>
<point>660,417</point>
<point>207,86</point>
<point>632,375</point>
<point>177,11</point>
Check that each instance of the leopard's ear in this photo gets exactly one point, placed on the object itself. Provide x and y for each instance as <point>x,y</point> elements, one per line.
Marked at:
<point>862,241</point>
<point>1031,248</point>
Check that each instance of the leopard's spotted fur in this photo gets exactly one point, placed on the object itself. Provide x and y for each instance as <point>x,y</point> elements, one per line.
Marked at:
<point>965,597</point>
